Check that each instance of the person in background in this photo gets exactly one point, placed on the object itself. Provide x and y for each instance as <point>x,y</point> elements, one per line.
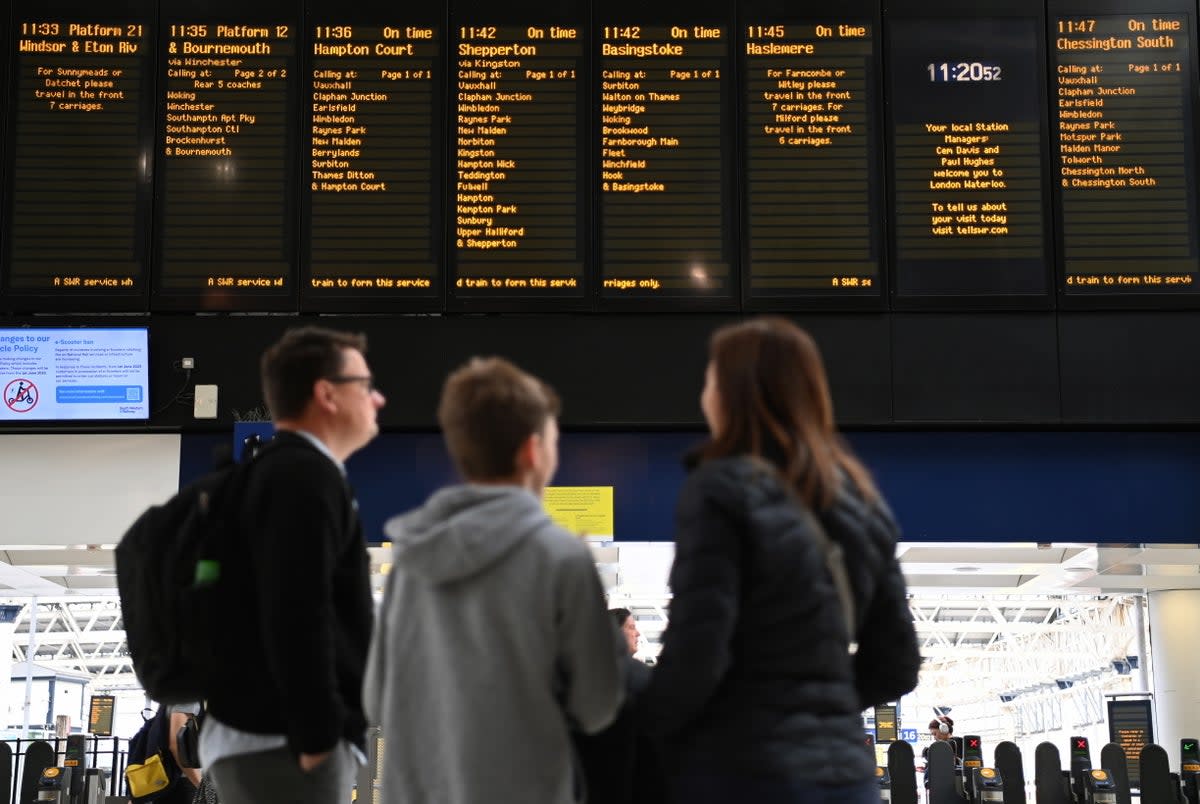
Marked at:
<point>941,729</point>
<point>493,638</point>
<point>756,695</point>
<point>620,764</point>
<point>201,790</point>
<point>625,621</point>
<point>285,720</point>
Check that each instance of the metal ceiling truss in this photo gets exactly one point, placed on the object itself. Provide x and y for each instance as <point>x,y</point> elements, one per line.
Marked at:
<point>77,636</point>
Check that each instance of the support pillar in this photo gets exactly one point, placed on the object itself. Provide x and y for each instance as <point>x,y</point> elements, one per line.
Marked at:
<point>8,624</point>
<point>1174,641</point>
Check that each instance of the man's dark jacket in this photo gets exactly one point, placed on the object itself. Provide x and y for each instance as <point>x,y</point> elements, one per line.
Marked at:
<point>754,675</point>
<point>299,613</point>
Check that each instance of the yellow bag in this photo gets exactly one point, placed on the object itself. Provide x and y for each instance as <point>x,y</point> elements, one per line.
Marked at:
<point>149,777</point>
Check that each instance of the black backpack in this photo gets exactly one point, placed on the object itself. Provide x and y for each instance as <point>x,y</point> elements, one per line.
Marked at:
<point>169,577</point>
<point>152,738</point>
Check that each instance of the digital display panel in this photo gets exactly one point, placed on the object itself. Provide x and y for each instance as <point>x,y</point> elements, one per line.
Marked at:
<point>970,208</point>
<point>666,168</point>
<point>1124,120</point>
<point>100,715</point>
<point>812,194</point>
<point>73,374</point>
<point>80,168</point>
<point>1130,725</point>
<point>373,156</point>
<point>518,170</point>
<point>226,228</point>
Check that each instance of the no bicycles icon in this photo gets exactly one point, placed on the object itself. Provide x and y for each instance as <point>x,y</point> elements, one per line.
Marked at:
<point>21,396</point>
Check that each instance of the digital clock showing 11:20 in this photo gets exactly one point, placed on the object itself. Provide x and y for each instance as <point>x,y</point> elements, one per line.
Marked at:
<point>964,71</point>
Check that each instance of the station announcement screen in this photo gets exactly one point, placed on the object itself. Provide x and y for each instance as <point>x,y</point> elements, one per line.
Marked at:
<point>79,178</point>
<point>665,171</point>
<point>1126,147</point>
<point>970,204</point>
<point>373,155</point>
<point>812,166</point>
<point>226,170</point>
<point>518,173</point>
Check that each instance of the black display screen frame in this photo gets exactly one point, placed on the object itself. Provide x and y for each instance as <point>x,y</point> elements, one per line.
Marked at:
<point>543,14</point>
<point>143,12</point>
<point>777,11</point>
<point>949,13</point>
<point>1116,300</point>
<point>262,12</point>
<point>376,12</point>
<point>680,12</point>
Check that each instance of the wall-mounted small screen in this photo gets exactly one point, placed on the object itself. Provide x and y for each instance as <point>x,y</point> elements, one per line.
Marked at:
<point>74,374</point>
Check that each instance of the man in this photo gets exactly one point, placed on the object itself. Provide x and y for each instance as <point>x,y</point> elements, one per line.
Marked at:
<point>285,719</point>
<point>493,639</point>
<point>625,621</point>
<point>620,763</point>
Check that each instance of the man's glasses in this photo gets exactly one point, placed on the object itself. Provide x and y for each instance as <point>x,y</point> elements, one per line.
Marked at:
<point>368,381</point>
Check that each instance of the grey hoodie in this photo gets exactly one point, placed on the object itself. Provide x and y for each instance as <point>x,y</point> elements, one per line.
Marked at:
<point>492,638</point>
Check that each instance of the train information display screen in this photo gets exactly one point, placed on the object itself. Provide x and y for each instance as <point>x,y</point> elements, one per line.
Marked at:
<point>226,189</point>
<point>518,170</point>
<point>546,155</point>
<point>1125,146</point>
<point>373,156</point>
<point>812,184</point>
<point>78,190</point>
<point>666,169</point>
<point>968,168</point>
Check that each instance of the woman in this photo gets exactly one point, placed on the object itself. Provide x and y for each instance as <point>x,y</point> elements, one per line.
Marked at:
<point>757,696</point>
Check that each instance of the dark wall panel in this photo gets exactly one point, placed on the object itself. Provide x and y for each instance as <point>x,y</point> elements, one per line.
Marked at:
<point>993,368</point>
<point>858,359</point>
<point>1130,367</point>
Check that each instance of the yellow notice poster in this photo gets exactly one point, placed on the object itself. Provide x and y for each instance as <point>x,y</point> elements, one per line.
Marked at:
<point>583,510</point>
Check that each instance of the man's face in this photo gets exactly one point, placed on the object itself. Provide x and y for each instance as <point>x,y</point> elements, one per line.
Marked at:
<point>631,632</point>
<point>358,402</point>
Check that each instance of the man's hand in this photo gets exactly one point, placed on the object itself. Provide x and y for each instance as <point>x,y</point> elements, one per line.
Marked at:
<point>310,762</point>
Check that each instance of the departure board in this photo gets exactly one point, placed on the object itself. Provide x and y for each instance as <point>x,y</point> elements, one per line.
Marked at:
<point>79,178</point>
<point>518,170</point>
<point>226,231</point>
<point>1131,726</point>
<point>373,156</point>
<point>967,132</point>
<point>1124,119</point>
<point>812,189</point>
<point>666,163</point>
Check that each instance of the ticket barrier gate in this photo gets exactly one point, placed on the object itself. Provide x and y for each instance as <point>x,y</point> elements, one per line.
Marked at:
<point>972,761</point>
<point>987,785</point>
<point>74,782</point>
<point>885,784</point>
<point>1100,788</point>
<point>69,785</point>
<point>1189,769</point>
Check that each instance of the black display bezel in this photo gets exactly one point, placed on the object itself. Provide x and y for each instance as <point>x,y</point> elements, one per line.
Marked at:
<point>375,13</point>
<point>1117,300</point>
<point>265,12</point>
<point>526,12</point>
<point>777,11</point>
<point>946,13</point>
<point>682,12</point>
<point>143,12</point>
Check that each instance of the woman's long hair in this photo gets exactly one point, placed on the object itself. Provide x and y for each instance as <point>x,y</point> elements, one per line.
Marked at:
<point>775,405</point>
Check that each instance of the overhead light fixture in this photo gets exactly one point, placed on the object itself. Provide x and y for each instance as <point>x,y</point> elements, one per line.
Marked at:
<point>966,569</point>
